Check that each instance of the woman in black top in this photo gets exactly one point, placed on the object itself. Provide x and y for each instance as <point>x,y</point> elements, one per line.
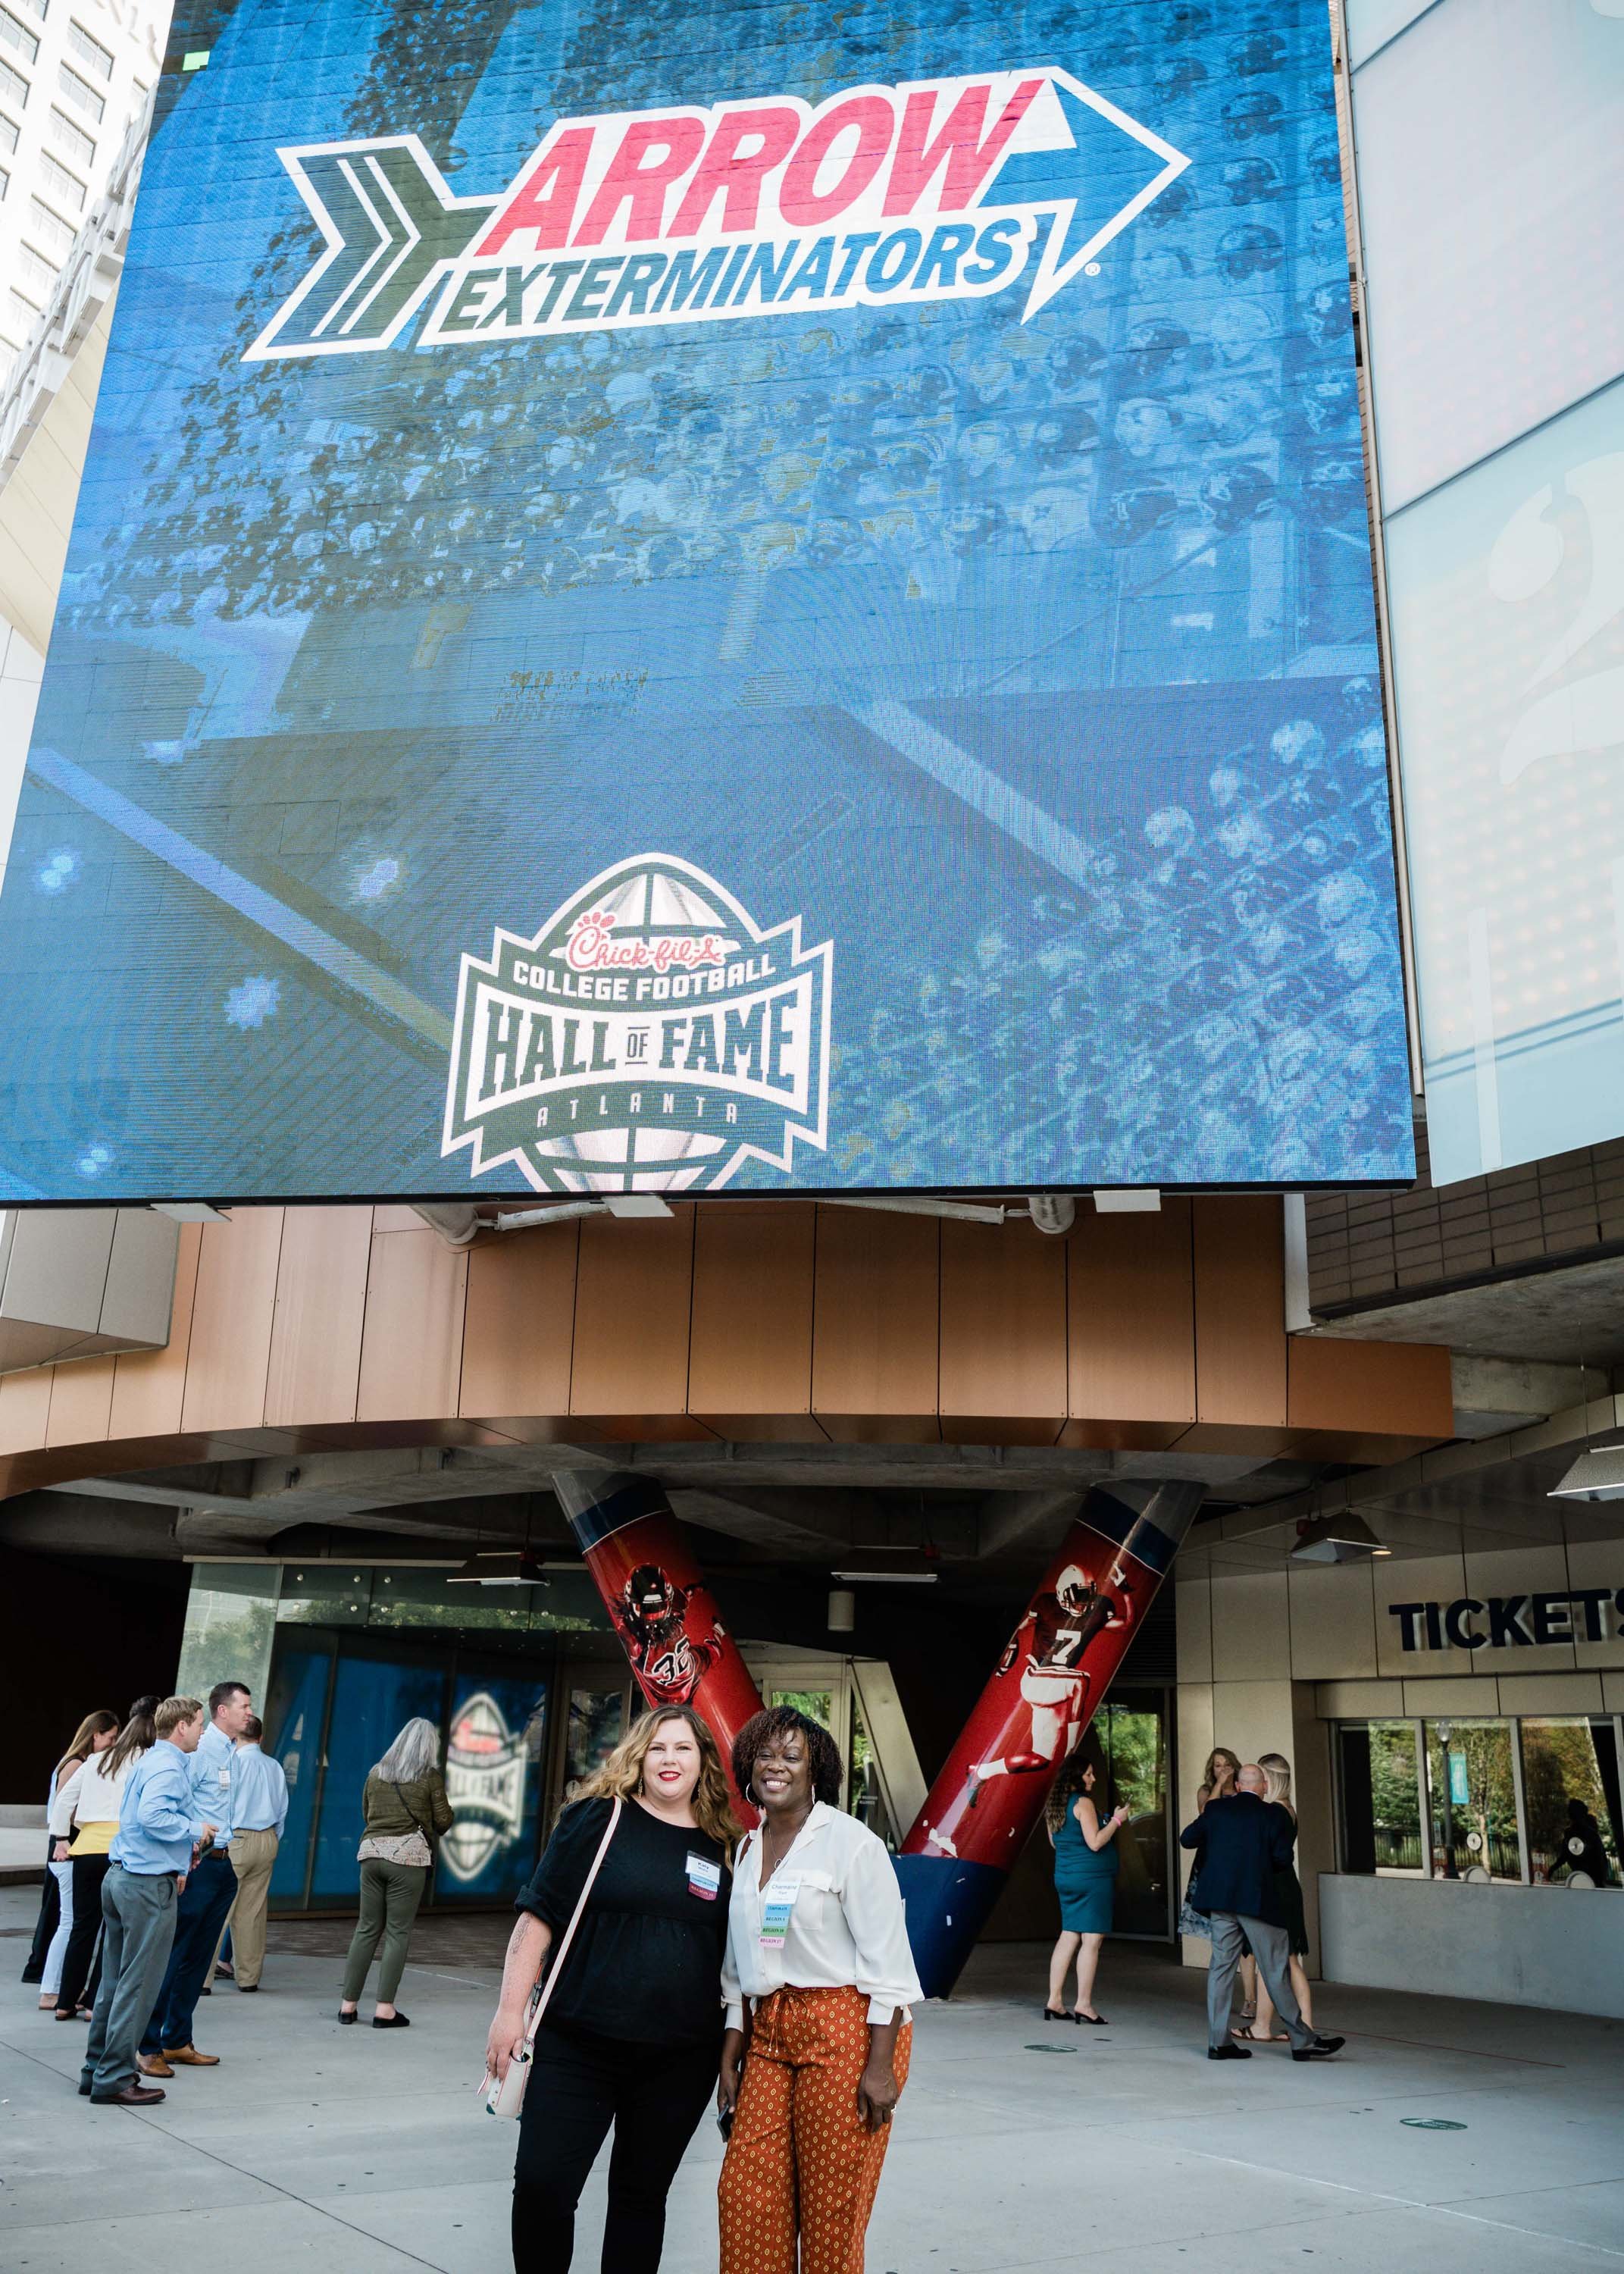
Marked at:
<point>633,2031</point>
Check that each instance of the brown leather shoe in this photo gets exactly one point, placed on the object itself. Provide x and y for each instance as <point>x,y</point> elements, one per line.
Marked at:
<point>189,2057</point>
<point>152,2065</point>
<point>128,2096</point>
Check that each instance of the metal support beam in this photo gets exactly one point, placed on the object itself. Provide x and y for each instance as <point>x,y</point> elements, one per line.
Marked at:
<point>979,1812</point>
<point>660,1604</point>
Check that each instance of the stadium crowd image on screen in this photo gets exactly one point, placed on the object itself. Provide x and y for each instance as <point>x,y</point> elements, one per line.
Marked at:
<point>695,598</point>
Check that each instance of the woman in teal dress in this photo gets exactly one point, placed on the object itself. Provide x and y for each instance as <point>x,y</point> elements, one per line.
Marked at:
<point>1086,1862</point>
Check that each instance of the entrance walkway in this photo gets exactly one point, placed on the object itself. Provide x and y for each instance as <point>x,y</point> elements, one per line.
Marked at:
<point>1019,2147</point>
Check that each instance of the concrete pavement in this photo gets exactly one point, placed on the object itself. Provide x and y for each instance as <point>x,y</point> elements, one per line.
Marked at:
<point>1018,2146</point>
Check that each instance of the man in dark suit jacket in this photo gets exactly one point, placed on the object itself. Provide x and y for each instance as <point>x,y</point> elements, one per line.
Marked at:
<point>1240,1842</point>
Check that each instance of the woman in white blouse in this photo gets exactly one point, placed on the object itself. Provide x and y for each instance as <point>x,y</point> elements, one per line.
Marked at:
<point>818,1981</point>
<point>84,1819</point>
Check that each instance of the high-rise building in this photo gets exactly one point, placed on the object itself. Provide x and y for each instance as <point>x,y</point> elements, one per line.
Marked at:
<point>73,74</point>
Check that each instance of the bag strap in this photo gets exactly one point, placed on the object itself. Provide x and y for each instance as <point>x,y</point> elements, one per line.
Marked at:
<point>399,1794</point>
<point>562,1952</point>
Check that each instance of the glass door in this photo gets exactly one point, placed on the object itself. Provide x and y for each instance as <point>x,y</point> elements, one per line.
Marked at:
<point>598,1709</point>
<point>1132,1732</point>
<point>372,1700</point>
<point>296,1710</point>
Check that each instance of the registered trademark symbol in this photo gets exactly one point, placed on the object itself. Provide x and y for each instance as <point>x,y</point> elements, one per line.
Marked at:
<point>1092,268</point>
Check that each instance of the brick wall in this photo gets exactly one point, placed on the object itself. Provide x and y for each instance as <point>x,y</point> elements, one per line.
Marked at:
<point>1365,1246</point>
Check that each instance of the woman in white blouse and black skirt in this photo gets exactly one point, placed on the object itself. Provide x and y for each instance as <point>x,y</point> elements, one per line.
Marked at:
<point>819,1980</point>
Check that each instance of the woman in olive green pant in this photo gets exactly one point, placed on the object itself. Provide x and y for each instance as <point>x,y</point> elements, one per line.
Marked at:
<point>406,1811</point>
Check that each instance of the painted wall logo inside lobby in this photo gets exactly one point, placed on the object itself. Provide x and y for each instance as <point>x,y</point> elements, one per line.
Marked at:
<point>650,1037</point>
<point>942,188</point>
<point>486,1764</point>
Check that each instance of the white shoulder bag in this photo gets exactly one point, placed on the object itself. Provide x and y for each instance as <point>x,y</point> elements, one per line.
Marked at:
<point>505,2096</point>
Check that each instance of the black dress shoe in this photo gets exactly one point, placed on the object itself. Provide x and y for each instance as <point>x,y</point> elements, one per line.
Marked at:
<point>1321,2049</point>
<point>84,2088</point>
<point>399,2021</point>
<point>1231,2051</point>
<point>128,2096</point>
<point>247,1989</point>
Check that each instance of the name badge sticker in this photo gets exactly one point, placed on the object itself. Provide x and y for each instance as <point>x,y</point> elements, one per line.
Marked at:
<point>775,1910</point>
<point>705,1877</point>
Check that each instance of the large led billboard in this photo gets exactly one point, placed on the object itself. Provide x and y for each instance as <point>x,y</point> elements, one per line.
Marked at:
<point>704,597</point>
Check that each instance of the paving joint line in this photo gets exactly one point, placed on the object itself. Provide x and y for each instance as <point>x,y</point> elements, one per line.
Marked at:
<point>226,2164</point>
<point>1377,2197</point>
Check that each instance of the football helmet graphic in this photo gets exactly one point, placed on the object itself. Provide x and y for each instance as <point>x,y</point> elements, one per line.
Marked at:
<point>1249,250</point>
<point>1074,1590</point>
<point>1245,117</point>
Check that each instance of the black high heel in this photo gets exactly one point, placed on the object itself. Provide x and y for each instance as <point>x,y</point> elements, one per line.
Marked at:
<point>1094,2020</point>
<point>1054,2013</point>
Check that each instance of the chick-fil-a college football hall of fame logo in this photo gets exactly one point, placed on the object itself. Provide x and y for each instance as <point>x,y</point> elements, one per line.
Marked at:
<point>942,188</point>
<point>650,1037</point>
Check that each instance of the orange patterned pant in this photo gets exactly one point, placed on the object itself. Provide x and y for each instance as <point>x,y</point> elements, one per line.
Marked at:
<point>800,2159</point>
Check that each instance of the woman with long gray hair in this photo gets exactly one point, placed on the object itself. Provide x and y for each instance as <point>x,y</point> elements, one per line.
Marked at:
<point>406,1813</point>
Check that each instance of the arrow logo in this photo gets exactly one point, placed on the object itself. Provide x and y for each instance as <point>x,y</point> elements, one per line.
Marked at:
<point>881,196</point>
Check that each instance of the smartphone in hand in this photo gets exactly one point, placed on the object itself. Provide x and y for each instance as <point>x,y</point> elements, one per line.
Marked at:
<point>725,2120</point>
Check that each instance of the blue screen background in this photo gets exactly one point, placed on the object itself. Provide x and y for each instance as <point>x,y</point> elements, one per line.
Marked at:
<point>407,646</point>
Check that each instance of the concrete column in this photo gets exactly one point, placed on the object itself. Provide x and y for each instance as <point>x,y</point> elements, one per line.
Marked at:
<point>1236,1689</point>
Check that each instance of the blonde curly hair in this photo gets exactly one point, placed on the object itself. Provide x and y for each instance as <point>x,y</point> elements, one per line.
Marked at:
<point>620,1777</point>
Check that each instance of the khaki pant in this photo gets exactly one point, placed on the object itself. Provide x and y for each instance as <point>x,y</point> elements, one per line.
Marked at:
<point>254,1857</point>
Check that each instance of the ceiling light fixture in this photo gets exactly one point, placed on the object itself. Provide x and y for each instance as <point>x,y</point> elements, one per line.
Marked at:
<point>1598,1475</point>
<point>505,1567</point>
<point>1340,1538</point>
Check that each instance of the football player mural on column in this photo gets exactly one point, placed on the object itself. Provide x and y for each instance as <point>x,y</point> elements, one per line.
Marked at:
<point>1054,1669</point>
<point>663,1611</point>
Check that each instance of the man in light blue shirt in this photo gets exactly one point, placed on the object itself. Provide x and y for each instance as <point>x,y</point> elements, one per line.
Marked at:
<point>260,1809</point>
<point>153,1849</point>
<point>202,1916</point>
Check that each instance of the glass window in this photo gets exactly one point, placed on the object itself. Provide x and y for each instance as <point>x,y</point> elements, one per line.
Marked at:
<point>1488,138</point>
<point>1570,1793</point>
<point>1471,1796</point>
<point>1381,1781</point>
<point>49,229</point>
<point>1505,599</point>
<point>20,311</point>
<point>72,139</point>
<point>13,85</point>
<point>231,1623</point>
<point>61,183</point>
<point>79,93</point>
<point>90,52</point>
<point>35,8</point>
<point>36,270</point>
<point>863,1796</point>
<point>1373,23</point>
<point>17,36</point>
<point>596,1724</point>
<point>324,1595</point>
